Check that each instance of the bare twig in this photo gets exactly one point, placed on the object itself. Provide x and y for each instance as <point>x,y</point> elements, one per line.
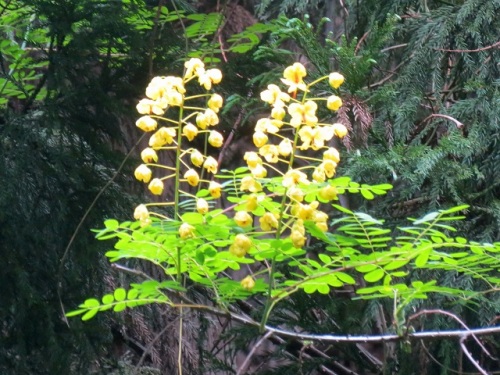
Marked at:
<point>454,317</point>
<point>245,363</point>
<point>457,123</point>
<point>471,358</point>
<point>495,45</point>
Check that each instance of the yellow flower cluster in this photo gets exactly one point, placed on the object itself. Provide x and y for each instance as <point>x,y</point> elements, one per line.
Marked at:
<point>163,93</point>
<point>297,111</point>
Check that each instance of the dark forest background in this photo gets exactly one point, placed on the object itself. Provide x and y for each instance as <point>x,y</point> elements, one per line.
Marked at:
<point>421,101</point>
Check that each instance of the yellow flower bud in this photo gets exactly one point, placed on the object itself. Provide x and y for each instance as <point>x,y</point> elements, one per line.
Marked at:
<point>148,155</point>
<point>240,246</point>
<point>247,283</point>
<point>319,174</point>
<point>268,221</point>
<point>186,231</point>
<point>215,102</point>
<point>298,239</point>
<point>243,219</point>
<point>146,124</point>
<point>192,177</point>
<point>202,206</point>
<point>335,80</point>
<point>259,139</point>
<point>143,173</point>
<point>252,159</point>
<point>215,139</point>
<point>278,113</point>
<point>251,202</point>
<point>156,186</point>
<point>214,189</point>
<point>328,193</point>
<point>339,130</point>
<point>196,158</point>
<point>295,194</point>
<point>334,103</point>
<point>190,131</point>
<point>331,154</point>
<point>241,240</point>
<point>141,213</point>
<point>211,165</point>
<point>259,171</point>
<point>285,147</point>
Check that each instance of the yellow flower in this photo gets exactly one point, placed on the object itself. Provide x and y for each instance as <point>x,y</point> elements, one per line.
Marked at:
<point>319,174</point>
<point>209,77</point>
<point>329,167</point>
<point>194,67</point>
<point>240,245</point>
<point>243,219</point>
<point>294,77</point>
<point>148,155</point>
<point>259,139</point>
<point>295,194</point>
<point>141,213</point>
<point>247,283</point>
<point>252,159</point>
<point>210,165</point>
<point>305,211</point>
<point>278,113</point>
<point>174,98</point>
<point>270,153</point>
<point>259,171</point>
<point>162,137</point>
<point>214,188</point>
<point>334,103</point>
<point>186,231</point>
<point>143,173</point>
<point>196,158</point>
<point>156,186</point>
<point>215,139</point>
<point>274,96</point>
<point>298,234</point>
<point>285,147</point>
<point>267,125</point>
<point>331,154</point>
<point>190,131</point>
<point>315,137</point>
<point>339,130</point>
<point>268,221</point>
<point>215,102</point>
<point>207,118</point>
<point>320,219</point>
<point>303,113</point>
<point>146,123</point>
<point>298,239</point>
<point>192,177</point>
<point>148,106</point>
<point>248,183</point>
<point>328,193</point>
<point>293,177</point>
<point>251,202</point>
<point>202,206</point>
<point>335,80</point>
